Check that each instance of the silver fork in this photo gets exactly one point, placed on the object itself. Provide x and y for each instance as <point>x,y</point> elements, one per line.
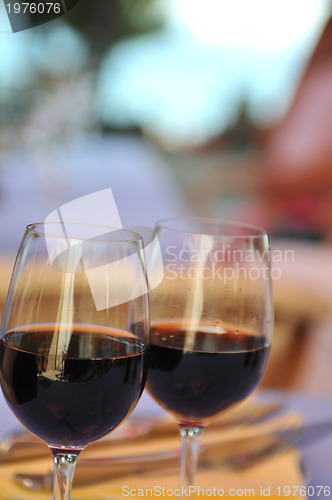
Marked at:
<point>24,445</point>
<point>248,452</point>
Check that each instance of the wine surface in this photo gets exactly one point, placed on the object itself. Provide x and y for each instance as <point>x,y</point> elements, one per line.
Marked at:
<point>197,374</point>
<point>74,398</point>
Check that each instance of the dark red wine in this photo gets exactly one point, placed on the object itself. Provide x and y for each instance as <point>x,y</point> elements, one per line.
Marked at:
<point>197,374</point>
<point>80,396</point>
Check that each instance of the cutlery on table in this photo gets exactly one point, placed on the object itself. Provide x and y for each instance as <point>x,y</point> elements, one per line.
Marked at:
<point>235,454</point>
<point>25,445</point>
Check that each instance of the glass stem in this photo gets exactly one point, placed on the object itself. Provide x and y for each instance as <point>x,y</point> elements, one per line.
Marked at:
<point>64,462</point>
<point>190,442</point>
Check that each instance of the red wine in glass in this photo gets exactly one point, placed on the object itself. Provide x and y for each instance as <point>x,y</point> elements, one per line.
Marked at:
<point>211,323</point>
<point>75,336</point>
<point>72,399</point>
<point>219,370</point>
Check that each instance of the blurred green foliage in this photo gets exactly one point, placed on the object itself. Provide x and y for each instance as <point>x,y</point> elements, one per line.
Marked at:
<point>105,22</point>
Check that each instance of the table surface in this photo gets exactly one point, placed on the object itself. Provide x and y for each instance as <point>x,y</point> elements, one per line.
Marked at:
<point>316,455</point>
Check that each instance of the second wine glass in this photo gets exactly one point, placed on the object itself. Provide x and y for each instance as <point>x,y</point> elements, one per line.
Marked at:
<point>211,323</point>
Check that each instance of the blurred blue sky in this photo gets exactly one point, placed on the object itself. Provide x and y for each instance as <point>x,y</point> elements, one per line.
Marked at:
<point>185,82</point>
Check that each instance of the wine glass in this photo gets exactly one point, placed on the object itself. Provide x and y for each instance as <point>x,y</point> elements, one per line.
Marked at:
<point>211,323</point>
<point>74,336</point>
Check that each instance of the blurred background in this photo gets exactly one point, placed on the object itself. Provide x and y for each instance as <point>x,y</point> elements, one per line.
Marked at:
<point>207,108</point>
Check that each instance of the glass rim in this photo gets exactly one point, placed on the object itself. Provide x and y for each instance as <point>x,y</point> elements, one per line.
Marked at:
<point>33,228</point>
<point>252,230</point>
